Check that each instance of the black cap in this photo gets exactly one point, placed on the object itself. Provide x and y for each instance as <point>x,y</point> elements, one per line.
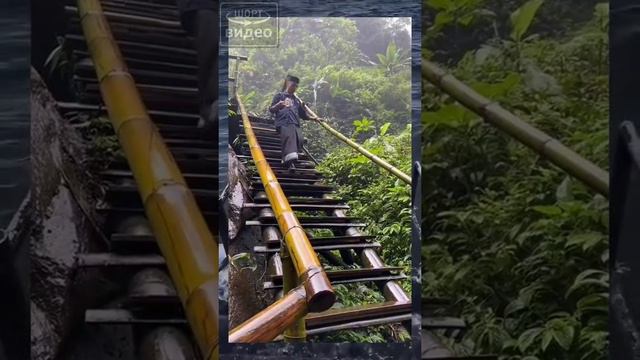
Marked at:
<point>293,78</point>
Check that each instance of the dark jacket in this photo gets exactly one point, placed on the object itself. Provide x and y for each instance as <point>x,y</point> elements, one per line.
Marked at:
<point>290,115</point>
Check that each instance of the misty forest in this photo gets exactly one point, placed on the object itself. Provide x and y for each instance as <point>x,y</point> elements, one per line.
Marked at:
<point>356,74</point>
<point>519,247</point>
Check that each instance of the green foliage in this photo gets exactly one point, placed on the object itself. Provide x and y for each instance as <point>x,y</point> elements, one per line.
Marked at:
<point>393,60</point>
<point>363,126</point>
<point>369,101</point>
<point>384,203</point>
<point>520,246</point>
<point>384,128</point>
<point>357,294</point>
<point>380,199</point>
<point>105,147</point>
<point>457,12</point>
<point>522,18</point>
<point>337,79</point>
<point>454,27</point>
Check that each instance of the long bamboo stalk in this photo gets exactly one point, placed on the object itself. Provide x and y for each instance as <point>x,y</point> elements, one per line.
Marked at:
<point>271,322</point>
<point>548,147</point>
<point>382,163</point>
<point>319,292</point>
<point>189,248</point>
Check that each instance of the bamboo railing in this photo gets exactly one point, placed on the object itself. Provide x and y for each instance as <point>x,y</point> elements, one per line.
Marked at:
<point>314,292</point>
<point>382,163</point>
<point>548,147</point>
<point>189,248</point>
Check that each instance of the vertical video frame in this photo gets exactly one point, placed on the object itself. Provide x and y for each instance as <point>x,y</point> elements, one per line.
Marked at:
<point>319,193</point>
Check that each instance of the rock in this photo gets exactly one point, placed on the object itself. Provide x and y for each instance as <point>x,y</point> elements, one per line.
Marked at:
<point>62,204</point>
<point>236,195</point>
<point>52,260</point>
<point>44,340</point>
<point>246,295</point>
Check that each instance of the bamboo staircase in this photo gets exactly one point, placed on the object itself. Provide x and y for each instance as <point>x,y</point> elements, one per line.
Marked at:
<point>159,56</point>
<point>346,247</point>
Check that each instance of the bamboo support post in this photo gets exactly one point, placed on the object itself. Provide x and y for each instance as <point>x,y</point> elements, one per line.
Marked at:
<point>189,248</point>
<point>297,331</point>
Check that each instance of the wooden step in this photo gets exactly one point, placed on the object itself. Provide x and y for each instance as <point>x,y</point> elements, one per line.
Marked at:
<point>266,249</point>
<point>128,243</point>
<point>180,119</point>
<point>363,312</point>
<point>195,181</point>
<point>127,317</point>
<point>304,200</point>
<point>358,324</point>
<point>294,179</point>
<point>109,210</point>
<point>276,162</point>
<point>296,187</point>
<point>201,166</point>
<point>348,276</point>
<point>300,207</point>
<point>451,327</point>
<point>298,173</point>
<point>312,219</point>
<point>311,225</point>
<point>115,260</point>
<point>128,196</point>
<point>128,174</point>
<point>330,240</point>
<point>352,273</point>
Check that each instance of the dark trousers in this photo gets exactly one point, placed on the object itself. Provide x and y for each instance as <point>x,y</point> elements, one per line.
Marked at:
<point>207,37</point>
<point>201,20</point>
<point>290,142</point>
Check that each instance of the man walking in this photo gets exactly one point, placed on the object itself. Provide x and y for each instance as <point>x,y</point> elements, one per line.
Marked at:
<point>289,110</point>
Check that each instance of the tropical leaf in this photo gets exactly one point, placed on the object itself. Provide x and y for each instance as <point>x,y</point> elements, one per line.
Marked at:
<point>522,18</point>
<point>528,337</point>
<point>549,210</point>
<point>384,128</point>
<point>597,278</point>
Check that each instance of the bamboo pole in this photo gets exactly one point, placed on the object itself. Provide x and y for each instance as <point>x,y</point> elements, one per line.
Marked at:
<point>189,248</point>
<point>383,164</point>
<point>271,322</point>
<point>319,292</point>
<point>548,147</point>
<point>297,331</point>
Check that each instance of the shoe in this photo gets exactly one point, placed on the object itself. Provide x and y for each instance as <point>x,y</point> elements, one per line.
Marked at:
<point>290,166</point>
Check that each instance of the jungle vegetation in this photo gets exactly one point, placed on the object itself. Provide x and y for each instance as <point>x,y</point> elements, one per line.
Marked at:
<point>520,248</point>
<point>356,74</point>
<point>353,72</point>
